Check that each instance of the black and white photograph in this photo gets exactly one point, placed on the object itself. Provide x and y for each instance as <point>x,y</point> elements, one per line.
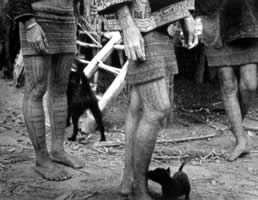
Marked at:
<point>128,100</point>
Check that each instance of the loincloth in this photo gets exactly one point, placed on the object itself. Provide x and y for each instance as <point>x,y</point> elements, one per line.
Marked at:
<point>160,60</point>
<point>59,26</point>
<point>241,52</point>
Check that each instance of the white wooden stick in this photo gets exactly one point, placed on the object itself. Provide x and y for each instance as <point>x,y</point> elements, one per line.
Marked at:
<point>109,68</point>
<point>106,50</point>
<point>85,44</point>
<point>115,88</point>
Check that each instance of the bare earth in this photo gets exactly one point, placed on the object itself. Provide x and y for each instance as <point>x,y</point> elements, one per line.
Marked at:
<point>212,177</point>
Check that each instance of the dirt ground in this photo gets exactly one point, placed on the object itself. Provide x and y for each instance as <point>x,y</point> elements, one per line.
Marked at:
<point>198,112</point>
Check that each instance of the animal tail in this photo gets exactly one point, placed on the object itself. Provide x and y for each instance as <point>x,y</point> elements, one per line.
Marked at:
<point>183,164</point>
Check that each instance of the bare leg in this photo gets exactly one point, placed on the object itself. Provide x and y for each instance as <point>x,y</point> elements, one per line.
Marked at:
<point>36,68</point>
<point>156,105</point>
<point>247,87</point>
<point>57,107</point>
<point>229,89</point>
<point>132,119</point>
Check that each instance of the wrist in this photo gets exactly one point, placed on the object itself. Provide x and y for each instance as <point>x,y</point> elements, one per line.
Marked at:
<point>30,23</point>
<point>124,16</point>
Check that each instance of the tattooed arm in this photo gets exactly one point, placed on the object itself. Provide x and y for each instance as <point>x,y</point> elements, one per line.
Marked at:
<point>133,40</point>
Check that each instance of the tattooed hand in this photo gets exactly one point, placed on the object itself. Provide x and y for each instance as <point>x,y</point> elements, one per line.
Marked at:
<point>37,38</point>
<point>133,40</point>
<point>190,35</point>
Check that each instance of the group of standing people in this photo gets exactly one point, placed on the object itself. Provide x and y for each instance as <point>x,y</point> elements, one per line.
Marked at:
<point>47,35</point>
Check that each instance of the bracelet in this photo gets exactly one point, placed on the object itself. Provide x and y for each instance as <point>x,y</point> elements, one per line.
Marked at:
<point>31,25</point>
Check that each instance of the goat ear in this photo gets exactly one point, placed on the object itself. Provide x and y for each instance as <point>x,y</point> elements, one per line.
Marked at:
<point>168,170</point>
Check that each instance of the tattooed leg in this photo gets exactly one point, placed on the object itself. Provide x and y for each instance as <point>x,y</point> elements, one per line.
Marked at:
<point>57,107</point>
<point>36,68</point>
<point>229,89</point>
<point>132,119</point>
<point>156,105</point>
<point>247,87</point>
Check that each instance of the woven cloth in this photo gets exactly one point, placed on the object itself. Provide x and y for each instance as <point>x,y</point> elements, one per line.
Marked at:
<point>240,52</point>
<point>59,26</point>
<point>160,60</point>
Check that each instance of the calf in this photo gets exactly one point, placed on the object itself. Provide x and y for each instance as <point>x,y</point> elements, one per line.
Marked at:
<point>172,187</point>
<point>80,98</point>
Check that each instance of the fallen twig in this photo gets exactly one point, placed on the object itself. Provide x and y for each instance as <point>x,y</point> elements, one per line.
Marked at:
<point>108,144</point>
<point>66,196</point>
<point>168,157</point>
<point>187,139</point>
<point>2,166</point>
<point>157,161</point>
<point>98,150</point>
<point>88,195</point>
<point>197,119</point>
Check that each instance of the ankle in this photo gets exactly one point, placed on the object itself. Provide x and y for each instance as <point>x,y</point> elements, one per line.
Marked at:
<point>42,157</point>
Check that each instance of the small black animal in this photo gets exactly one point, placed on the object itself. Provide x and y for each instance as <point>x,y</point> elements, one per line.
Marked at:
<point>80,98</point>
<point>172,187</point>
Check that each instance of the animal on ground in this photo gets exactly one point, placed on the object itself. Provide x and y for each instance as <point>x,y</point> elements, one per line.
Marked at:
<point>172,187</point>
<point>80,98</point>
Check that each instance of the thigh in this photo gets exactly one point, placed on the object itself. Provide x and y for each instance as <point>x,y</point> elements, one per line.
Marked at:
<point>154,95</point>
<point>60,68</point>
<point>36,72</point>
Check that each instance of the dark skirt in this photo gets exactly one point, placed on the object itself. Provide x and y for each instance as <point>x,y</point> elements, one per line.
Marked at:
<point>160,60</point>
<point>239,52</point>
<point>59,26</point>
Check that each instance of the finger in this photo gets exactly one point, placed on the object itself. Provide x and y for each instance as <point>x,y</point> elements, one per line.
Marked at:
<point>42,47</point>
<point>143,48</point>
<point>37,45</point>
<point>132,53</point>
<point>127,53</point>
<point>195,41</point>
<point>190,40</point>
<point>139,53</point>
<point>44,37</point>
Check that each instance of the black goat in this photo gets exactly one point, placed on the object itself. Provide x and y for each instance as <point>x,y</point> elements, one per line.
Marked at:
<point>172,187</point>
<point>80,98</point>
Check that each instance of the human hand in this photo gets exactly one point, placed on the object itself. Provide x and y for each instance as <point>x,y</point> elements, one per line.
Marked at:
<point>133,40</point>
<point>190,35</point>
<point>37,37</point>
<point>134,43</point>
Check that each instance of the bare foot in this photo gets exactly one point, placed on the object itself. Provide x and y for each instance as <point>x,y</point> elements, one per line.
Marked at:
<point>125,187</point>
<point>66,159</point>
<point>239,150</point>
<point>51,171</point>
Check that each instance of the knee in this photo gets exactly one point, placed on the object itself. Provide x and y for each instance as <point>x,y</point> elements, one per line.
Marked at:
<point>158,114</point>
<point>36,91</point>
<point>248,85</point>
<point>228,86</point>
<point>135,110</point>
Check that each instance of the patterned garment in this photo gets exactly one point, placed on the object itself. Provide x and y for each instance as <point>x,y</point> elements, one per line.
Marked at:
<point>228,20</point>
<point>160,60</point>
<point>230,31</point>
<point>241,52</point>
<point>59,26</point>
<point>144,17</point>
